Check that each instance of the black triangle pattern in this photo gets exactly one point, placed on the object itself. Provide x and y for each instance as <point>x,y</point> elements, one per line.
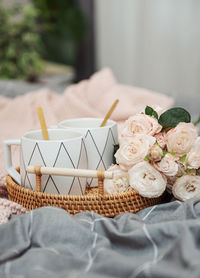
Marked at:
<point>82,146</point>
<point>104,149</point>
<point>62,145</point>
<point>71,185</point>
<point>26,174</point>
<point>80,186</point>
<point>109,142</point>
<point>57,155</point>
<point>27,177</point>
<point>101,156</point>
<point>36,147</point>
<point>113,136</point>
<point>50,178</point>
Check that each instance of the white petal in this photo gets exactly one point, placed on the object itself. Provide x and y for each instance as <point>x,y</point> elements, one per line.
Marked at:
<point>147,180</point>
<point>119,183</point>
<point>186,187</point>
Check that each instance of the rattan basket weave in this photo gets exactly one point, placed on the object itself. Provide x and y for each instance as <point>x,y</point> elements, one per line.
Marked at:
<point>94,200</point>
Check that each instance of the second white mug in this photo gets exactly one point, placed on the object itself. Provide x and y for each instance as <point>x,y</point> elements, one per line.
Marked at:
<point>99,141</point>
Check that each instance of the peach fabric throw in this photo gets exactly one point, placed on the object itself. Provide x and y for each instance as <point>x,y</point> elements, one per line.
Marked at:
<point>89,98</point>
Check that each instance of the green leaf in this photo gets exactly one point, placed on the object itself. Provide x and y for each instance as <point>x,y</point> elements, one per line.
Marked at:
<point>116,147</point>
<point>146,158</point>
<point>173,116</point>
<point>197,121</point>
<point>191,172</point>
<point>183,158</point>
<point>151,112</point>
<point>164,153</point>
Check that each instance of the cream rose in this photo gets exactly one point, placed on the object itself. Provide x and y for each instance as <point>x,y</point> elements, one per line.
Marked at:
<point>133,150</point>
<point>181,138</point>
<point>193,157</point>
<point>161,139</point>
<point>119,183</point>
<point>193,160</point>
<point>155,153</point>
<point>167,165</point>
<point>140,123</point>
<point>186,187</point>
<point>144,178</point>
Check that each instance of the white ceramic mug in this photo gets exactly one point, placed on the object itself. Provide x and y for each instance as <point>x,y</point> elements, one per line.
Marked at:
<point>99,141</point>
<point>65,149</point>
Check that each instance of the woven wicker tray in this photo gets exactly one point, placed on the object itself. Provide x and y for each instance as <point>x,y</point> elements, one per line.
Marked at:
<point>94,200</point>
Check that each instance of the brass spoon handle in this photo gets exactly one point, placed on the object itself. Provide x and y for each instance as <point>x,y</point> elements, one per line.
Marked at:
<point>109,113</point>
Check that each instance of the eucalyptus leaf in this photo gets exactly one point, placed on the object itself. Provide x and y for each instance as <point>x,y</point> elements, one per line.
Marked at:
<point>151,112</point>
<point>183,158</point>
<point>146,158</point>
<point>197,121</point>
<point>164,153</point>
<point>173,116</point>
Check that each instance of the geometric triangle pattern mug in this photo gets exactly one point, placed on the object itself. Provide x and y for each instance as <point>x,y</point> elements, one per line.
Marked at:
<point>65,149</point>
<point>99,141</point>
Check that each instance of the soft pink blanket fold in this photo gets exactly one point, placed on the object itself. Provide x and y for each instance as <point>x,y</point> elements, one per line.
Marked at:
<point>89,98</point>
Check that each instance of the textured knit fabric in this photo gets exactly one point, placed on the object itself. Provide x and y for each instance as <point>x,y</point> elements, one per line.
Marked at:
<point>7,208</point>
<point>3,191</point>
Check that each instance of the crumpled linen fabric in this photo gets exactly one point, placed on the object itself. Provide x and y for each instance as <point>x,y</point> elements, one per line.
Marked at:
<point>157,242</point>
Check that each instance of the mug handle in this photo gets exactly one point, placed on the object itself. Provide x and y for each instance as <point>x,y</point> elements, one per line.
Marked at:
<point>8,159</point>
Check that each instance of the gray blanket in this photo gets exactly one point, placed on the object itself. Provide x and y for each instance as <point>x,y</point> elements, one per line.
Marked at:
<point>160,241</point>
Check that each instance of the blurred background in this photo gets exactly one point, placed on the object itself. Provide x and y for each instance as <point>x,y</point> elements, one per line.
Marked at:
<point>153,44</point>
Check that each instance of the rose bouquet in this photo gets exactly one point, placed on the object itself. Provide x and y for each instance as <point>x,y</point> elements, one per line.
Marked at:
<point>157,150</point>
